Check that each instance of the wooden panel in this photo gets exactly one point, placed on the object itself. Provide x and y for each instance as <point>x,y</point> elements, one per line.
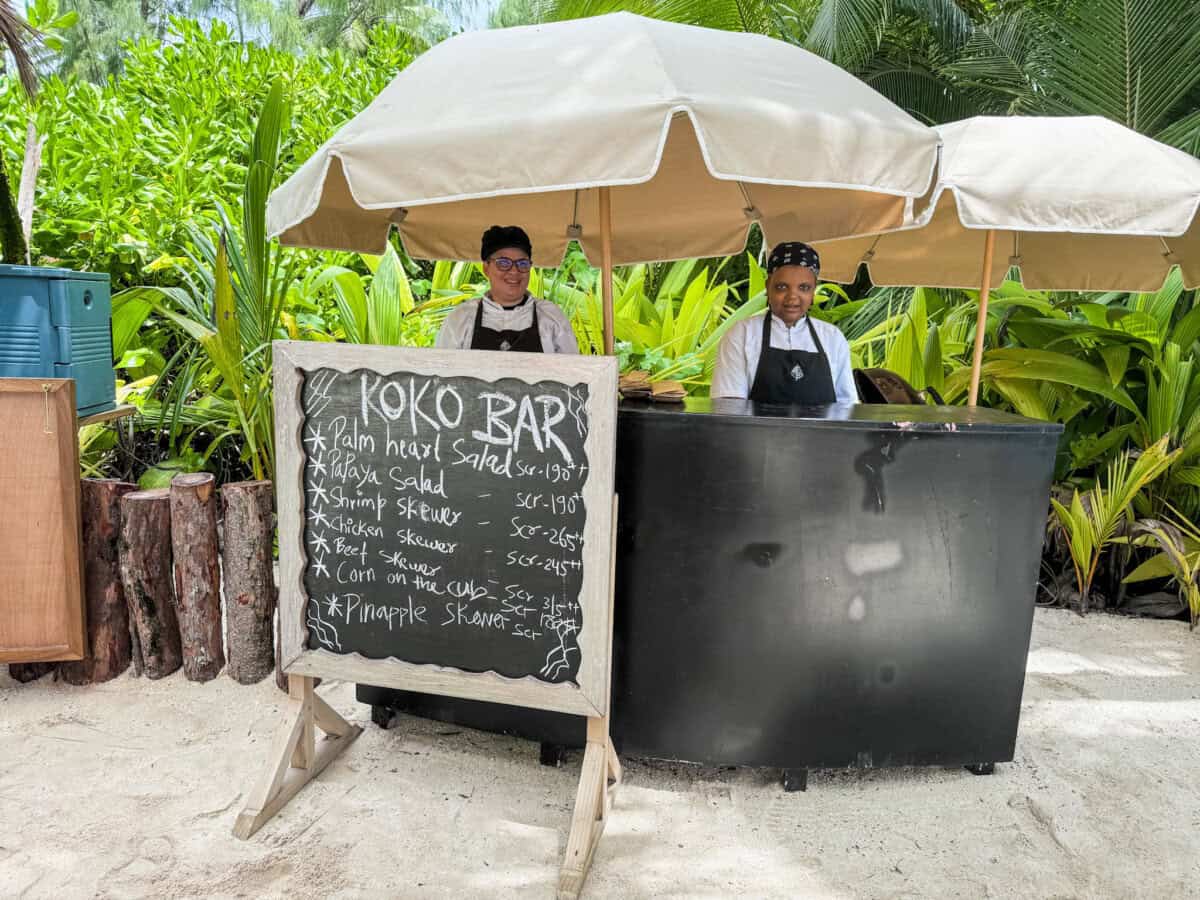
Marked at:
<point>41,566</point>
<point>591,696</point>
<point>110,415</point>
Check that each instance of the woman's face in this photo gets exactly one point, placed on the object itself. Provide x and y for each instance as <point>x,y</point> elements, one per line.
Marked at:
<point>508,284</point>
<point>790,292</point>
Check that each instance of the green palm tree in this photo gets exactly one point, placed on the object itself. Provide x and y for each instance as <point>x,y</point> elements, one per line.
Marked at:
<point>1136,62</point>
<point>759,16</point>
<point>92,47</point>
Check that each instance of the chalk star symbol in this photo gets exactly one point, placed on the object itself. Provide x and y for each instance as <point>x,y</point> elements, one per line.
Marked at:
<point>318,493</point>
<point>319,566</point>
<point>319,542</point>
<point>333,606</point>
<point>318,517</point>
<point>316,440</point>
<point>318,467</point>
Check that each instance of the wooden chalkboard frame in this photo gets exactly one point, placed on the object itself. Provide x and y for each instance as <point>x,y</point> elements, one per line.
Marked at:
<point>43,615</point>
<point>591,696</point>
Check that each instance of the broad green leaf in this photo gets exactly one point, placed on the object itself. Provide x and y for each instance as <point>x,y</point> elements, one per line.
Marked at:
<point>129,312</point>
<point>226,315</point>
<point>1187,330</point>
<point>1024,396</point>
<point>935,376</point>
<point>1187,475</point>
<point>1157,566</point>
<point>1116,360</point>
<point>758,276</point>
<point>1045,365</point>
<point>1160,305</point>
<point>1139,325</point>
<point>389,300</point>
<point>351,300</point>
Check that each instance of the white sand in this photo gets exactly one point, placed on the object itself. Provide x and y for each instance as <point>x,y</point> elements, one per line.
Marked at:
<point>129,789</point>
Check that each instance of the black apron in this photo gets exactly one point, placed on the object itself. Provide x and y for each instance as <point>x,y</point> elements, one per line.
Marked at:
<point>527,340</point>
<point>792,377</point>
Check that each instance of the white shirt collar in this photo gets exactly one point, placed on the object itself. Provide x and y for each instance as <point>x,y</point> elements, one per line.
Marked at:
<point>800,323</point>
<point>487,298</point>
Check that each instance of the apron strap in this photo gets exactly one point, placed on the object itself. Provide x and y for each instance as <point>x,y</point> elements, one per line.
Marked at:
<point>817,341</point>
<point>478,324</point>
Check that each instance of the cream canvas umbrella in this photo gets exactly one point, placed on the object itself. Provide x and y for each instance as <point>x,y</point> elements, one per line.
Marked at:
<point>1076,203</point>
<point>643,140</point>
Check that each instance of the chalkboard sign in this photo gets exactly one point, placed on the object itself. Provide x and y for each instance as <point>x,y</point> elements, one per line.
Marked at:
<point>446,520</point>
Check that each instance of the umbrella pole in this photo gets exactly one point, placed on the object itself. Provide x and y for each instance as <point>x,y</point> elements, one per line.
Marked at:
<point>606,267</point>
<point>985,282</point>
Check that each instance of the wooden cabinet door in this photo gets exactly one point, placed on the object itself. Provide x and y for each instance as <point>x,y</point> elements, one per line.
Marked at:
<point>41,565</point>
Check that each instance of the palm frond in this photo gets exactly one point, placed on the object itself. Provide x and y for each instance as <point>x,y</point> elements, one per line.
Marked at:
<point>1133,61</point>
<point>945,18</point>
<point>997,58</point>
<point>921,93</point>
<point>848,32</point>
<point>19,38</point>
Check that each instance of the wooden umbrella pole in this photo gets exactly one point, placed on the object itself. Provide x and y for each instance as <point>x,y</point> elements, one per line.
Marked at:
<point>985,286</point>
<point>606,268</point>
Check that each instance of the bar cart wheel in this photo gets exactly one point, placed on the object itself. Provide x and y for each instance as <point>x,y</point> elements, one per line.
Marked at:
<point>382,715</point>
<point>553,755</point>
<point>982,769</point>
<point>795,780</point>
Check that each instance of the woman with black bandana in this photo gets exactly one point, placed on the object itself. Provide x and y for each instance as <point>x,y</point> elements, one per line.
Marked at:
<point>783,355</point>
<point>507,317</point>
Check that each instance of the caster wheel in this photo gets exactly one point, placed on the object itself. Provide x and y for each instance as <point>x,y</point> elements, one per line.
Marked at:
<point>982,769</point>
<point>795,780</point>
<point>552,755</point>
<point>381,716</point>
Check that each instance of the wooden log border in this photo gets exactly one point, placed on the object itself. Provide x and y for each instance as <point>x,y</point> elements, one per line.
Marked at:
<point>591,696</point>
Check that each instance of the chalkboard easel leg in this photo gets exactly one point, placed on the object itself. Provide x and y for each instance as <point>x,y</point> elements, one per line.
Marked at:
<point>599,778</point>
<point>296,758</point>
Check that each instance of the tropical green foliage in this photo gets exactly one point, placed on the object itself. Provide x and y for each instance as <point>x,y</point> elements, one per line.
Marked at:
<point>1135,61</point>
<point>129,165</point>
<point>1179,559</point>
<point>1091,520</point>
<point>93,44</point>
<point>159,176</point>
<point>228,312</point>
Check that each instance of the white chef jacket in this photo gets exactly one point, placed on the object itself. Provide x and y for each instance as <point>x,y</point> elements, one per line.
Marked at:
<point>737,355</point>
<point>553,327</point>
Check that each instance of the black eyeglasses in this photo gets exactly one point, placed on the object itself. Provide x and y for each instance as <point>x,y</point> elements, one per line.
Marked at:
<point>503,263</point>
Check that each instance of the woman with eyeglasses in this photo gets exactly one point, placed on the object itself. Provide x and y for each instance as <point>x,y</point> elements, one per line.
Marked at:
<point>507,317</point>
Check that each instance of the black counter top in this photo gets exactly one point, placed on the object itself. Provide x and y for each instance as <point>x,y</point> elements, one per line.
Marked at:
<point>865,416</point>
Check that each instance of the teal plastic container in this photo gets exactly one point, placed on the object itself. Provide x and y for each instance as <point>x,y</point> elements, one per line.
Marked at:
<point>55,323</point>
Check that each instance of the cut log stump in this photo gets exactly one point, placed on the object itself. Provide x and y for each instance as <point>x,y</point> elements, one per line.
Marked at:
<point>197,574</point>
<point>109,649</point>
<point>250,595</point>
<point>148,579</point>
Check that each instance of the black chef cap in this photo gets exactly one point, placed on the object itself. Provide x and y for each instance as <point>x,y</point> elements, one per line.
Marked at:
<point>500,236</point>
<point>794,253</point>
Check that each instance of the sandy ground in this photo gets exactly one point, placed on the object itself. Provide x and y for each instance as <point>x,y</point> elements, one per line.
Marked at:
<point>129,789</point>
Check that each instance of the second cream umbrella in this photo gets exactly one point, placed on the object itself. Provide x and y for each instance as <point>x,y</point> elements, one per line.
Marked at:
<point>1075,203</point>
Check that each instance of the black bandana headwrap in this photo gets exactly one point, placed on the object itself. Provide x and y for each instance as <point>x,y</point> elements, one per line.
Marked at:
<point>500,237</point>
<point>794,253</point>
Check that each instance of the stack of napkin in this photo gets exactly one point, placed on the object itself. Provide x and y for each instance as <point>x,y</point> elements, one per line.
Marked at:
<point>667,392</point>
<point>635,385</point>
